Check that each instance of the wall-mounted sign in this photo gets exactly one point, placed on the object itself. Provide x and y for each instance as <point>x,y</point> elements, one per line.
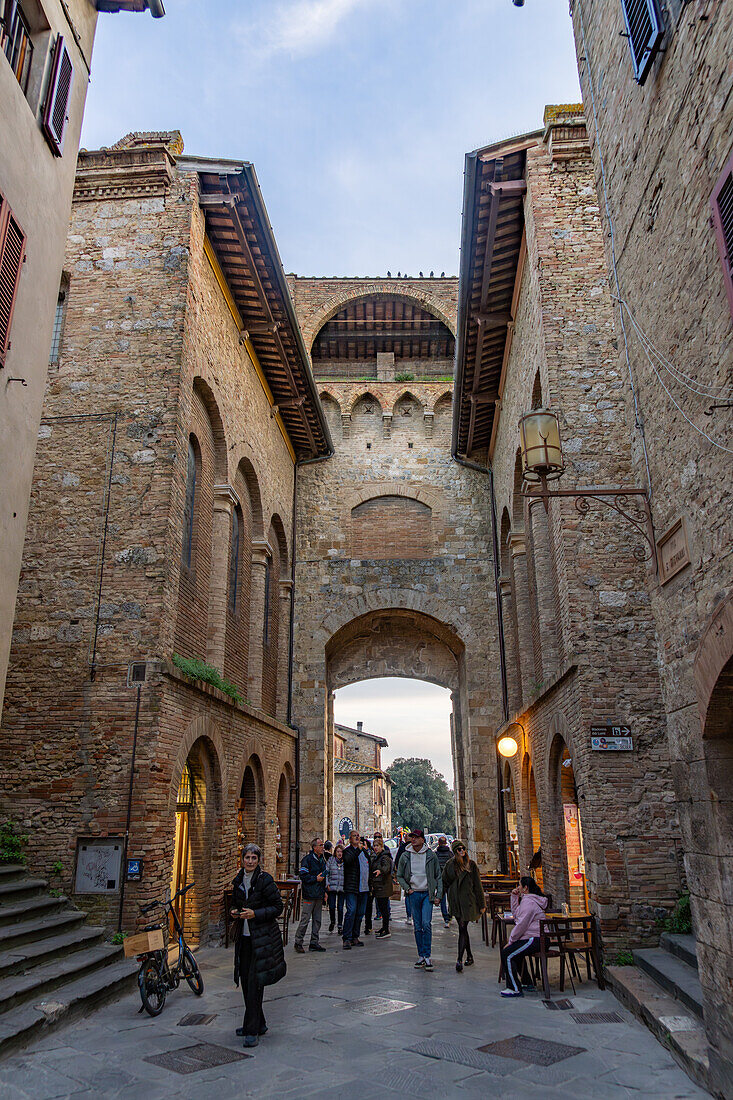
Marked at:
<point>345,826</point>
<point>611,738</point>
<point>98,866</point>
<point>673,551</point>
<point>134,870</point>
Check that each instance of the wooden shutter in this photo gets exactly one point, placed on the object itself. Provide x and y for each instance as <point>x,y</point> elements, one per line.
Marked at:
<point>12,253</point>
<point>721,202</point>
<point>644,28</point>
<point>56,111</point>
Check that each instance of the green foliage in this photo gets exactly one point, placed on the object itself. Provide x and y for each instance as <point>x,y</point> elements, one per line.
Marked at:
<point>404,376</point>
<point>12,843</point>
<point>421,797</point>
<point>118,938</point>
<point>57,868</point>
<point>680,919</point>
<point>622,958</point>
<point>55,893</point>
<point>199,670</point>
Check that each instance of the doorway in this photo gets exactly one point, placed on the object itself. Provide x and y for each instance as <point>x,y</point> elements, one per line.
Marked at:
<point>182,852</point>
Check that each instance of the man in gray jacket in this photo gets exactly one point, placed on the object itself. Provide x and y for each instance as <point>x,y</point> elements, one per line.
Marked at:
<point>419,875</point>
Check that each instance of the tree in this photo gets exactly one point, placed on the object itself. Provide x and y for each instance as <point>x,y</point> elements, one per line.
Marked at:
<point>421,797</point>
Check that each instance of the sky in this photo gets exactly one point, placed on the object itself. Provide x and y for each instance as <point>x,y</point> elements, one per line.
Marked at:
<point>412,715</point>
<point>357,114</point>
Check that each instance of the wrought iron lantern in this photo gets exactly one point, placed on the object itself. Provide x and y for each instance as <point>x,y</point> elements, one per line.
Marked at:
<point>541,449</point>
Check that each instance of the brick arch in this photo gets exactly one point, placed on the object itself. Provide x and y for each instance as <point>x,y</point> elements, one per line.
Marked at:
<point>371,489</point>
<point>407,393</point>
<point>445,613</point>
<point>360,397</point>
<point>201,727</point>
<point>328,395</point>
<point>206,394</point>
<point>387,287</point>
<point>252,481</point>
<point>713,655</point>
<point>441,398</point>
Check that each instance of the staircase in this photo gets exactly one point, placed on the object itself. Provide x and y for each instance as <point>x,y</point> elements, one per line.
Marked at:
<point>52,966</point>
<point>663,989</point>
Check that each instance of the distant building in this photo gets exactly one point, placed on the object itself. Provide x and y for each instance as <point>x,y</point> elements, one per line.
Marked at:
<point>362,794</point>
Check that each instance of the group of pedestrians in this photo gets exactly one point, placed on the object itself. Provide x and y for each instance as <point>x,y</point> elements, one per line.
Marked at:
<point>348,876</point>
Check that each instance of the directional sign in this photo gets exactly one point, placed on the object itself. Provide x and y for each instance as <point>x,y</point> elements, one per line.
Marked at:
<point>611,738</point>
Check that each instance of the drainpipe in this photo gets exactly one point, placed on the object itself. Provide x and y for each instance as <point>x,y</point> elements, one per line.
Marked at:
<point>129,811</point>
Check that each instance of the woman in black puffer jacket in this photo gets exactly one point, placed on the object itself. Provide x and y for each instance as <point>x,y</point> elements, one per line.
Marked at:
<point>259,958</point>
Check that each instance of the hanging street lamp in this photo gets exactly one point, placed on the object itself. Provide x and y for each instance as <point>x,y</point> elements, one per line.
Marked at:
<point>542,462</point>
<point>507,746</point>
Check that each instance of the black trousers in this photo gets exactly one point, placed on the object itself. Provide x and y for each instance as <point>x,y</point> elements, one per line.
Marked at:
<point>252,991</point>
<point>368,912</point>
<point>514,958</point>
<point>334,899</point>
<point>464,943</point>
<point>383,910</point>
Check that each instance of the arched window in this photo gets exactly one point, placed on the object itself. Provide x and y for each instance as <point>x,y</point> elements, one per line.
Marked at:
<point>266,625</point>
<point>234,551</point>
<point>189,506</point>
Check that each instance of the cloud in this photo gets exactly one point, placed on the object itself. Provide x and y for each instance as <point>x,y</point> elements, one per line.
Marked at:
<point>301,26</point>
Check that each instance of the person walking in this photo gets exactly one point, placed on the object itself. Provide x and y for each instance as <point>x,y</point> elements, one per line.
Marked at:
<point>418,873</point>
<point>401,847</point>
<point>369,911</point>
<point>313,876</point>
<point>444,854</point>
<point>465,895</point>
<point>356,890</point>
<point>259,958</point>
<point>528,909</point>
<point>335,888</point>
<point>380,881</point>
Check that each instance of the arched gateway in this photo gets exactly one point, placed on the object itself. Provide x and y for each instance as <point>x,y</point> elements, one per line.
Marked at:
<point>394,573</point>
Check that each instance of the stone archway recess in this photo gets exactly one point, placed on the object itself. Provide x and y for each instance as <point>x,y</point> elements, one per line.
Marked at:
<point>360,642</point>
<point>421,296</point>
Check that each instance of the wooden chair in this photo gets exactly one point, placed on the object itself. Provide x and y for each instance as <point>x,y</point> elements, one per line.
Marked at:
<point>288,897</point>
<point>227,905</point>
<point>498,903</point>
<point>577,937</point>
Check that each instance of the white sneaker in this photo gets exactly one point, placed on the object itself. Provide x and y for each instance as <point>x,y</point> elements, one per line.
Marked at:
<point>408,920</point>
<point>419,964</point>
<point>446,923</point>
<point>428,964</point>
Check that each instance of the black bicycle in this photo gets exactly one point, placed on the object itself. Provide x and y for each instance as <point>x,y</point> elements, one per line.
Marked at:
<point>156,976</point>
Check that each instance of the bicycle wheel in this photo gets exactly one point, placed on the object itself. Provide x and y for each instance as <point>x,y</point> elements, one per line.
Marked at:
<point>152,987</point>
<point>191,972</point>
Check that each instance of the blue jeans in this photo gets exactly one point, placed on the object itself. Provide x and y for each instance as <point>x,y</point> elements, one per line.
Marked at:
<point>444,906</point>
<point>355,909</point>
<point>407,907</point>
<point>422,921</point>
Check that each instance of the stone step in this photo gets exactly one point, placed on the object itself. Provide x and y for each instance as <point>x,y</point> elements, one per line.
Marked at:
<point>24,956</point>
<point>15,889</point>
<point>39,982</point>
<point>11,870</point>
<point>680,1032</point>
<point>30,1021</point>
<point>29,909</point>
<point>674,976</point>
<point>684,947</point>
<point>29,931</point>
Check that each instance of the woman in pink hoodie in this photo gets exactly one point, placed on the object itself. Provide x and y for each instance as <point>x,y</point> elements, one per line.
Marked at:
<point>528,909</point>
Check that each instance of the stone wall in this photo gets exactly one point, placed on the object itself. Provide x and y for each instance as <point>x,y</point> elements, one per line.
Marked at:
<point>425,614</point>
<point>151,358</point>
<point>664,146</point>
<point>581,646</point>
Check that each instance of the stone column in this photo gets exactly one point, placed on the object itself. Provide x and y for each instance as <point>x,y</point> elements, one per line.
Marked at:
<point>524,613</point>
<point>261,557</point>
<point>546,587</point>
<point>513,670</point>
<point>225,501</point>
<point>283,650</point>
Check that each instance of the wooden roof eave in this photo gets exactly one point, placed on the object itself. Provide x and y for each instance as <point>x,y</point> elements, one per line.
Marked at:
<point>288,372</point>
<point>484,332</point>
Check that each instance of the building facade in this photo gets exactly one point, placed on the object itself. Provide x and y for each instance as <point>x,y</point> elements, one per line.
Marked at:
<point>362,792</point>
<point>394,566</point>
<point>535,328</point>
<point>659,104</point>
<point>151,643</point>
<point>45,56</point>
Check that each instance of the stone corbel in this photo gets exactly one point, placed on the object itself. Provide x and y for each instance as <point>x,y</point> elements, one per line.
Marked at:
<point>387,424</point>
<point>429,418</point>
<point>517,544</point>
<point>346,422</point>
<point>225,498</point>
<point>261,552</point>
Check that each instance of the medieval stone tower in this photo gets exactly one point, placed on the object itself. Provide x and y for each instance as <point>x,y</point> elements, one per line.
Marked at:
<point>395,573</point>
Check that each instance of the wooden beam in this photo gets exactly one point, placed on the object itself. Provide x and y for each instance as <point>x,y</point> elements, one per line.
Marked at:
<point>508,187</point>
<point>493,320</point>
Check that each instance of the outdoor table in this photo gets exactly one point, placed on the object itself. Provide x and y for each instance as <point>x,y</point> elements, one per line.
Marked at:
<point>506,920</point>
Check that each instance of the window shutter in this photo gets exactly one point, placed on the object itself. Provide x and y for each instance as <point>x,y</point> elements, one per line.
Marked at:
<point>12,253</point>
<point>721,202</point>
<point>55,113</point>
<point>645,29</point>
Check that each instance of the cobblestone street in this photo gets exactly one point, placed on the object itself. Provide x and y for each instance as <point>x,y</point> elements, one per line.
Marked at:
<point>332,1035</point>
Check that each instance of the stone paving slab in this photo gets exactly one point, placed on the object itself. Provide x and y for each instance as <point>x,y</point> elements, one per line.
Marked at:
<point>323,1043</point>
